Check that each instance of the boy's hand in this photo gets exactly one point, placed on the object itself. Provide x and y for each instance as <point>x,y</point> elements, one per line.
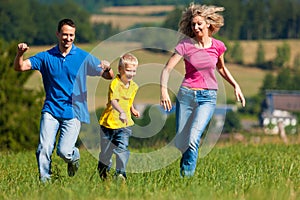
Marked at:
<point>123,117</point>
<point>135,113</point>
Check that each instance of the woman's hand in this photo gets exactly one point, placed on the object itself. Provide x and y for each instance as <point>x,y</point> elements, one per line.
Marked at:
<point>165,101</point>
<point>239,95</point>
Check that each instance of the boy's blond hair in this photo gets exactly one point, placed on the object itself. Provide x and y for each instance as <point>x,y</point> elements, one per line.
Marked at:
<point>128,59</point>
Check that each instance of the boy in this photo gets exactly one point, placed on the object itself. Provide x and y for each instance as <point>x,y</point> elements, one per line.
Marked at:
<point>116,120</point>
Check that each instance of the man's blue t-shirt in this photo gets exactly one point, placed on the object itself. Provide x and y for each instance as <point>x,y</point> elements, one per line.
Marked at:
<point>64,81</point>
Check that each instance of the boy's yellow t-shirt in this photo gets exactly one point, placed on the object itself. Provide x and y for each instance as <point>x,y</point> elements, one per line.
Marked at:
<point>125,96</point>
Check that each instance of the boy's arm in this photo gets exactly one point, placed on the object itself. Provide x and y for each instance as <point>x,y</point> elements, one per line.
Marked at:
<point>135,112</point>
<point>116,106</point>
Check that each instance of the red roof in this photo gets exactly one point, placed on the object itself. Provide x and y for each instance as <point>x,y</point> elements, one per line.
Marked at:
<point>284,100</point>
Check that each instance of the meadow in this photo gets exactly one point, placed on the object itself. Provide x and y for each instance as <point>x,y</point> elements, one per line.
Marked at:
<point>240,171</point>
<point>258,167</point>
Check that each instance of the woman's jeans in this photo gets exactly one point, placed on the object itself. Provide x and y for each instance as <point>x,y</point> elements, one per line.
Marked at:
<point>194,109</point>
<point>115,141</point>
<point>49,127</point>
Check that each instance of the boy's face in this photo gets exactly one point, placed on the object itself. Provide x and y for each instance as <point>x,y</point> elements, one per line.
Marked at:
<point>127,73</point>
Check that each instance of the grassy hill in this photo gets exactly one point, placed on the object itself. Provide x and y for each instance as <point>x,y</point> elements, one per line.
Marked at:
<point>249,78</point>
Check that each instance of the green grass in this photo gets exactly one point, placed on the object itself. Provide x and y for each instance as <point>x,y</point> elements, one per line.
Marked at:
<point>269,171</point>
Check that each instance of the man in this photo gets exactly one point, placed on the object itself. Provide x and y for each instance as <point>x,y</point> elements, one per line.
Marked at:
<point>64,69</point>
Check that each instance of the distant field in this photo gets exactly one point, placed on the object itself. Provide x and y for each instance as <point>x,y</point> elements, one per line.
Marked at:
<point>124,17</point>
<point>124,22</point>
<point>142,10</point>
<point>270,47</point>
<point>249,78</point>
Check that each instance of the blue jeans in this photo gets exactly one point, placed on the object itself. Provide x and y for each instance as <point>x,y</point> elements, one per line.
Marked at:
<point>194,109</point>
<point>49,127</point>
<point>115,141</point>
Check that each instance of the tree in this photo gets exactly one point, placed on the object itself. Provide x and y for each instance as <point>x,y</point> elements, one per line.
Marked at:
<point>172,19</point>
<point>283,55</point>
<point>269,83</point>
<point>232,122</point>
<point>284,79</point>
<point>236,53</point>
<point>29,21</point>
<point>260,56</point>
<point>19,107</point>
<point>104,30</point>
<point>297,62</point>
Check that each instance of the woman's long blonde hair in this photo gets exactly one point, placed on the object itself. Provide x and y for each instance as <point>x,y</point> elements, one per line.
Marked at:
<point>210,14</point>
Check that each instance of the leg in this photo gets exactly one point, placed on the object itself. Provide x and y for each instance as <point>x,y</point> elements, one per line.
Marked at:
<point>201,117</point>
<point>69,131</point>
<point>48,131</point>
<point>184,108</point>
<point>121,140</point>
<point>189,157</point>
<point>106,152</point>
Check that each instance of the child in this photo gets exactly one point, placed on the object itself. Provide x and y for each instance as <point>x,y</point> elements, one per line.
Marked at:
<point>116,120</point>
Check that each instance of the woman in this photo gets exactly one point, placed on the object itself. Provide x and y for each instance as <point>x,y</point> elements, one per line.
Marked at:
<point>197,95</point>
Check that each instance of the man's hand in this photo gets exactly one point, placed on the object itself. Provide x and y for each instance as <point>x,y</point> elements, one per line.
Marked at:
<point>22,48</point>
<point>105,65</point>
<point>107,72</point>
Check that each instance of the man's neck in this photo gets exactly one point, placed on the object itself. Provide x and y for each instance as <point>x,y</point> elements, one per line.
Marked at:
<point>64,51</point>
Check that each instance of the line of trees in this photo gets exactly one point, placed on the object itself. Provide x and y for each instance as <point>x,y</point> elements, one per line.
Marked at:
<point>35,21</point>
<point>254,20</point>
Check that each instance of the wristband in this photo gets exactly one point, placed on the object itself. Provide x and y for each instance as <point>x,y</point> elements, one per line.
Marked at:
<point>107,70</point>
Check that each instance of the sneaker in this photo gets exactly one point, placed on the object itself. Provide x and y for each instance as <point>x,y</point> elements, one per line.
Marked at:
<point>102,169</point>
<point>120,177</point>
<point>102,173</point>
<point>73,167</point>
<point>45,179</point>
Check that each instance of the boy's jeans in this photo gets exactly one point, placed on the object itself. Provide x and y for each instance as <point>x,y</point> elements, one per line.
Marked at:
<point>69,131</point>
<point>115,141</point>
<point>194,109</point>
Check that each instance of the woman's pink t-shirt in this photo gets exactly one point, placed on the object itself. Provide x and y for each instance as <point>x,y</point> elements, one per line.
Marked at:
<point>200,64</point>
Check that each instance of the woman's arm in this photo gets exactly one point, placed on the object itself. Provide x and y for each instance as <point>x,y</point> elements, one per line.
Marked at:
<point>165,101</point>
<point>225,73</point>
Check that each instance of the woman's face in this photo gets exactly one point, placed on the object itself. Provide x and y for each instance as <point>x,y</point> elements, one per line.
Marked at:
<point>199,26</point>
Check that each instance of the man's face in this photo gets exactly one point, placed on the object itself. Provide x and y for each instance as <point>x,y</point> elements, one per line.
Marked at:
<point>66,36</point>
